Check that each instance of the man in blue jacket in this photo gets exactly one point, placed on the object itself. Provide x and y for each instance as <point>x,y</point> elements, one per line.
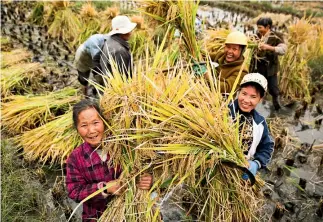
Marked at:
<point>87,58</point>
<point>257,144</point>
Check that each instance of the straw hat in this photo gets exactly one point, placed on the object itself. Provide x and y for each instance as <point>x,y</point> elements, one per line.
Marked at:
<point>121,25</point>
<point>257,78</point>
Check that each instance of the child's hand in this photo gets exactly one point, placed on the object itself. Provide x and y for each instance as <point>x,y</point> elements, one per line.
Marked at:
<point>116,187</point>
<point>145,181</point>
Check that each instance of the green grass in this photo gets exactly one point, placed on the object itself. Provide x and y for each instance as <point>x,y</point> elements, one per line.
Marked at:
<point>316,66</point>
<point>21,196</point>
<point>99,5</point>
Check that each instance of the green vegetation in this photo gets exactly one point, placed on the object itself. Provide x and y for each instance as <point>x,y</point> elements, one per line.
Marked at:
<point>21,196</point>
<point>316,66</point>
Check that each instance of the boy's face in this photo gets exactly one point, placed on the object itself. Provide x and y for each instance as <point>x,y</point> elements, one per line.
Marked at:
<point>248,98</point>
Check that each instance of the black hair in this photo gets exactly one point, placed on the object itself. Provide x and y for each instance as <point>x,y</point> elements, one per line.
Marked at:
<point>265,21</point>
<point>84,105</point>
<point>257,86</point>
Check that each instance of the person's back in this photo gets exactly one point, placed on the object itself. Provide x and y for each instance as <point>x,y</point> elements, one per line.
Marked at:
<point>87,57</point>
<point>117,49</point>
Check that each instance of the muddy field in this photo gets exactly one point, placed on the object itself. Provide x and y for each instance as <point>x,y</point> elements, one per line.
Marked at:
<point>294,179</point>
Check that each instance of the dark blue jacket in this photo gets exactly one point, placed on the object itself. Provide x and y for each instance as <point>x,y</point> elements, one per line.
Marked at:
<point>262,145</point>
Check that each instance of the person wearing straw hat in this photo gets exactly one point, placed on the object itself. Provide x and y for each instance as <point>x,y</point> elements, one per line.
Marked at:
<point>257,144</point>
<point>272,45</point>
<point>116,47</point>
<point>230,61</point>
<point>87,59</point>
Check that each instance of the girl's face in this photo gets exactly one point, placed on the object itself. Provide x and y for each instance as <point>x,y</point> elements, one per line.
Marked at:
<point>248,98</point>
<point>90,126</point>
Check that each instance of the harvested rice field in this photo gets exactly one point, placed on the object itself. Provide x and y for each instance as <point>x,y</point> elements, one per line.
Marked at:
<point>163,121</point>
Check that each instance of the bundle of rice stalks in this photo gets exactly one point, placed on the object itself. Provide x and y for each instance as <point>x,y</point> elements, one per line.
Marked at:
<point>22,113</point>
<point>21,78</point>
<point>294,75</point>
<point>90,23</point>
<point>51,8</point>
<point>14,56</point>
<point>141,39</point>
<point>51,143</point>
<point>65,25</point>
<point>181,15</point>
<point>214,40</point>
<point>37,15</point>
<point>178,129</point>
<point>88,10</point>
<point>106,17</point>
<point>61,4</point>
<point>139,20</point>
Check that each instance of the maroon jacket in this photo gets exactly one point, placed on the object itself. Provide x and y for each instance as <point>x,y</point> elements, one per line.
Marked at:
<point>84,171</point>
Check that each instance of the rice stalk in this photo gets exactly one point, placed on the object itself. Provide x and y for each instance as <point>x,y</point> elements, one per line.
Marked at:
<point>22,113</point>
<point>61,4</point>
<point>37,15</point>
<point>214,41</point>
<point>51,143</point>
<point>66,25</point>
<point>51,8</point>
<point>88,10</point>
<point>294,76</point>
<point>90,23</point>
<point>13,57</point>
<point>179,129</point>
<point>106,18</point>
<point>20,78</point>
<point>181,15</point>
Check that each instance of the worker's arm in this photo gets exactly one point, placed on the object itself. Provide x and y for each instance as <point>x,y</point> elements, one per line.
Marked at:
<point>280,49</point>
<point>226,85</point>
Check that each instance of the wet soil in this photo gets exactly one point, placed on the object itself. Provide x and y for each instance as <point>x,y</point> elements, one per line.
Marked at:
<point>294,179</point>
<point>56,56</point>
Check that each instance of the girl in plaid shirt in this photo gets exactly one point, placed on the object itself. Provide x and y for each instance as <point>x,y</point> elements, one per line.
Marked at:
<point>87,166</point>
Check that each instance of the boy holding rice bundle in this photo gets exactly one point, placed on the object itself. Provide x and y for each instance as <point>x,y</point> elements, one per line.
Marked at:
<point>257,144</point>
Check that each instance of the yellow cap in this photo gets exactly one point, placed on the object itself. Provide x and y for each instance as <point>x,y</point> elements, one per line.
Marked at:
<point>236,37</point>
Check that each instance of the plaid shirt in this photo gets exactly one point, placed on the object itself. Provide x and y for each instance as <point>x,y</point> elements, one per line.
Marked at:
<point>84,171</point>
